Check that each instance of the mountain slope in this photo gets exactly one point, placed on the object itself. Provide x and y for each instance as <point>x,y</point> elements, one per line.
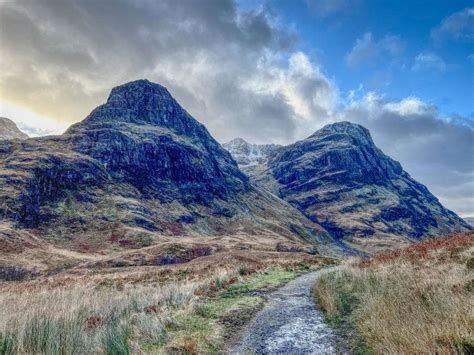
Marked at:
<point>9,130</point>
<point>340,179</point>
<point>139,169</point>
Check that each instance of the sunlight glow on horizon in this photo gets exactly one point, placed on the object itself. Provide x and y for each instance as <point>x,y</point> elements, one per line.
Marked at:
<point>30,122</point>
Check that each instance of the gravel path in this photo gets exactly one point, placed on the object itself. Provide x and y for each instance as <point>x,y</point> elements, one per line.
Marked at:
<point>289,323</point>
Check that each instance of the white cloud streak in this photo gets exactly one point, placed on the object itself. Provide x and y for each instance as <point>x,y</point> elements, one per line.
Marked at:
<point>459,25</point>
<point>429,62</point>
<point>367,48</point>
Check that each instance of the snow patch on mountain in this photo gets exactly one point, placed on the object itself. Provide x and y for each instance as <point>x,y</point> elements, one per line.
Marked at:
<point>249,155</point>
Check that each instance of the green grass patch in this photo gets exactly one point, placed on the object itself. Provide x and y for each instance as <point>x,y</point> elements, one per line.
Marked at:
<point>205,328</point>
<point>266,280</point>
<point>224,305</point>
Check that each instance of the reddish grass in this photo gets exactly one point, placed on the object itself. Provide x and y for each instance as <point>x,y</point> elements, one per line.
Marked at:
<point>93,322</point>
<point>126,243</point>
<point>85,247</point>
<point>173,228</point>
<point>151,309</point>
<point>423,250</point>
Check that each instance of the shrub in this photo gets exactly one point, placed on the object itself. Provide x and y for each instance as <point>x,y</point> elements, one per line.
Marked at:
<point>470,264</point>
<point>243,270</point>
<point>120,263</point>
<point>15,273</point>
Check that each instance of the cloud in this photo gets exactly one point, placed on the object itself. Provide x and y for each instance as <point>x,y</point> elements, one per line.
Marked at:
<point>30,122</point>
<point>324,8</point>
<point>236,71</point>
<point>471,58</point>
<point>366,48</point>
<point>392,44</point>
<point>459,25</point>
<point>429,62</point>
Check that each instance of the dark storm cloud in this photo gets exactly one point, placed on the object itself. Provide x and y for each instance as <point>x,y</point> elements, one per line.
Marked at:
<point>64,56</point>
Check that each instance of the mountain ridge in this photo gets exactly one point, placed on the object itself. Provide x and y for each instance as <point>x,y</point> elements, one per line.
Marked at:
<point>139,170</point>
<point>338,178</point>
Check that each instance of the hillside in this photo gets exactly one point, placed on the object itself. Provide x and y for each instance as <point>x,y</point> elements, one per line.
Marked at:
<point>9,130</point>
<point>138,171</point>
<point>410,301</point>
<point>338,178</point>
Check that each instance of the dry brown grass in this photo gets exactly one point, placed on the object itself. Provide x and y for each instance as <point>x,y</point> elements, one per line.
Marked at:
<point>411,301</point>
<point>130,309</point>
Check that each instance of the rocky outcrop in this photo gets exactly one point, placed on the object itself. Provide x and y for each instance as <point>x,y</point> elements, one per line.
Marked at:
<point>338,177</point>
<point>9,130</point>
<point>137,162</point>
<point>142,136</point>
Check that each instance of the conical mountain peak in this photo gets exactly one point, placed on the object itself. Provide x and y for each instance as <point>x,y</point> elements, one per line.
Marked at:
<point>139,95</point>
<point>142,102</point>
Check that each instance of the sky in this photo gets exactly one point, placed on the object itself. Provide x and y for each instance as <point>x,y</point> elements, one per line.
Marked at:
<point>266,71</point>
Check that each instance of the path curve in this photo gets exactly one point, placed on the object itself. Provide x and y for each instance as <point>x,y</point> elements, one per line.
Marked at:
<point>289,323</point>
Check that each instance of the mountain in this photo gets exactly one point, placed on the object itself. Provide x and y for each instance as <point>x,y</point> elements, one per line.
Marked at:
<point>138,170</point>
<point>338,178</point>
<point>470,220</point>
<point>9,130</point>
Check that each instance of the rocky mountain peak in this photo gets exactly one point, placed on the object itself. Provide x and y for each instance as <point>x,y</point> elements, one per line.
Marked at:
<point>140,94</point>
<point>139,161</point>
<point>9,130</point>
<point>238,142</point>
<point>358,133</point>
<point>142,102</point>
<point>340,178</point>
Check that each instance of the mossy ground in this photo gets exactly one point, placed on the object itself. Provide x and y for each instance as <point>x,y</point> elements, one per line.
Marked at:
<point>265,281</point>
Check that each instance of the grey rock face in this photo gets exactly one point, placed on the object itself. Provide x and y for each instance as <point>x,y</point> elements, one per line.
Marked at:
<point>339,178</point>
<point>144,137</point>
<point>9,130</point>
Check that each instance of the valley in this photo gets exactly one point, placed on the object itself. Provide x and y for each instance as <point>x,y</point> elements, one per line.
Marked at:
<point>135,231</point>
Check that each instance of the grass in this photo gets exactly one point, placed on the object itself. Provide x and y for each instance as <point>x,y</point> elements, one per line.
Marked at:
<point>227,307</point>
<point>184,316</point>
<point>268,279</point>
<point>415,300</point>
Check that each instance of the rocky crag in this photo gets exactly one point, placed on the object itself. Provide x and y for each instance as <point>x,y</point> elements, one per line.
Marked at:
<point>338,178</point>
